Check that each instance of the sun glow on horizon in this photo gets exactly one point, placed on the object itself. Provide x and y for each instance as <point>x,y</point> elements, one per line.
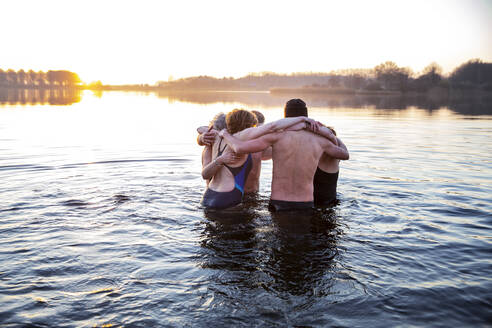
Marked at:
<point>121,42</point>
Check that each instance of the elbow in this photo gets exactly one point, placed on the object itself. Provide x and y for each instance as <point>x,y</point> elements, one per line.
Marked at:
<point>205,175</point>
<point>346,157</point>
<point>237,149</point>
<point>273,127</point>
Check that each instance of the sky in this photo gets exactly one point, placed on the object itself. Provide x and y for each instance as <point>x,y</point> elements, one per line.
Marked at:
<point>147,41</point>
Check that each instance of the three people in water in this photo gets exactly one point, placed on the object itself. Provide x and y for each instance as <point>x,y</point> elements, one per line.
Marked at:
<point>305,155</point>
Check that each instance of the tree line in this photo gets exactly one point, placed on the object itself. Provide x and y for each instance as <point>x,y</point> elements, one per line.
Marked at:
<point>388,76</point>
<point>40,79</point>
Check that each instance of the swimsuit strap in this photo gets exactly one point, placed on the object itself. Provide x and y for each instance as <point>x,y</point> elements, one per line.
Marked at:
<point>219,152</point>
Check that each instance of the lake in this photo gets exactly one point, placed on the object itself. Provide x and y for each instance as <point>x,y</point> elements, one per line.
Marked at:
<point>101,222</point>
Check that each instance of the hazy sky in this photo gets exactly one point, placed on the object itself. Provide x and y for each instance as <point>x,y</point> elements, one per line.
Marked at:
<point>146,41</point>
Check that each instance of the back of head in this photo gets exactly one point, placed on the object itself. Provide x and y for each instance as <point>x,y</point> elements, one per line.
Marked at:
<point>240,119</point>
<point>218,122</point>
<point>259,117</point>
<point>295,108</point>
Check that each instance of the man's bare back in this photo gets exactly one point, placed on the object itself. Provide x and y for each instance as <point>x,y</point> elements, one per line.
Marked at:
<point>295,158</point>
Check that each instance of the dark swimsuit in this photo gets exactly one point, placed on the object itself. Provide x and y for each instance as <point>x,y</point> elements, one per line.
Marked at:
<point>219,200</point>
<point>325,187</point>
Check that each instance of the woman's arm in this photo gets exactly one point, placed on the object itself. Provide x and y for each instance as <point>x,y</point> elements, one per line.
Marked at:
<point>341,144</point>
<point>214,166</point>
<point>336,151</point>
<point>328,134</point>
<point>206,158</point>
<point>206,155</point>
<point>211,169</point>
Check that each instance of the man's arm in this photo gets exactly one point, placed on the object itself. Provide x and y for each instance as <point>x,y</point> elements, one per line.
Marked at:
<point>252,146</point>
<point>297,127</point>
<point>279,125</point>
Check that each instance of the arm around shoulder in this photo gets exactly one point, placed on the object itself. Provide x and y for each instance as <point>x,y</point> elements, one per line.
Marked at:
<point>336,151</point>
<point>251,146</point>
<point>275,126</point>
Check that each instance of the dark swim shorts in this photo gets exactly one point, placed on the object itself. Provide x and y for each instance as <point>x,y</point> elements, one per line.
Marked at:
<point>282,205</point>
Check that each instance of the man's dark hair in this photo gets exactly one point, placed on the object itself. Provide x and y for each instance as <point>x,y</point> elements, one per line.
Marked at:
<point>294,108</point>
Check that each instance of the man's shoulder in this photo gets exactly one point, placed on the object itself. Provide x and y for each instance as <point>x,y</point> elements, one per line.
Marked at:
<point>301,135</point>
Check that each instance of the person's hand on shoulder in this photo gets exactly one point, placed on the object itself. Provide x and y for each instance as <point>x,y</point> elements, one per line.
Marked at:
<point>208,138</point>
<point>312,125</point>
<point>227,158</point>
<point>223,132</point>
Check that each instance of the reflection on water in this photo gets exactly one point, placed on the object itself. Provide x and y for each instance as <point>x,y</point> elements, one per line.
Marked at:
<point>272,259</point>
<point>101,222</point>
<point>459,105</point>
<point>465,106</point>
<point>55,96</point>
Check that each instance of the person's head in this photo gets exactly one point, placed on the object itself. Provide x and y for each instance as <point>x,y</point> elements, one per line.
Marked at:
<point>294,108</point>
<point>259,117</point>
<point>218,122</point>
<point>240,119</point>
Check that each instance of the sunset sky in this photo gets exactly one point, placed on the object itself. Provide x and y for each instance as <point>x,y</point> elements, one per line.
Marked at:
<point>146,41</point>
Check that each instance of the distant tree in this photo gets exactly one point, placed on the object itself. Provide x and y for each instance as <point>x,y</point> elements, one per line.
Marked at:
<point>431,77</point>
<point>432,68</point>
<point>355,81</point>
<point>11,78</point>
<point>31,77</point>
<point>392,76</point>
<point>373,86</point>
<point>334,81</point>
<point>41,79</point>
<point>21,77</point>
<point>51,77</point>
<point>62,78</point>
<point>474,72</point>
<point>3,78</point>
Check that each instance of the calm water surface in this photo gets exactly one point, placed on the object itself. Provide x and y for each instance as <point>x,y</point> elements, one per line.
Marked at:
<point>101,223</point>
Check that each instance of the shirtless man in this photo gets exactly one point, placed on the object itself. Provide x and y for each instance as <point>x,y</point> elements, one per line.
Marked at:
<point>296,155</point>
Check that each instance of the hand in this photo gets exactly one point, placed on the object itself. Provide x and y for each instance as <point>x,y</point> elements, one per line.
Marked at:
<point>312,125</point>
<point>222,132</point>
<point>208,138</point>
<point>228,158</point>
